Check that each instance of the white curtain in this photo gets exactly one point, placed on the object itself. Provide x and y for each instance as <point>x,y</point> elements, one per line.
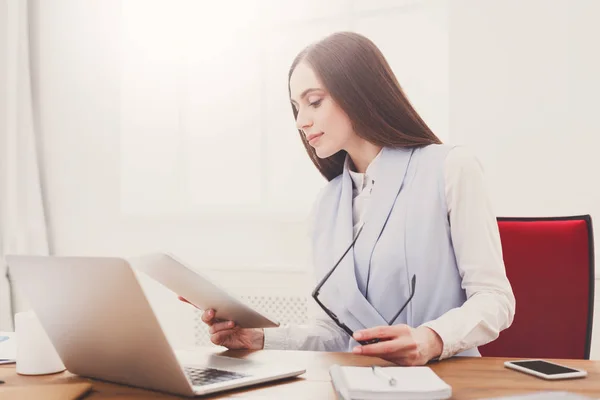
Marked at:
<point>22,221</point>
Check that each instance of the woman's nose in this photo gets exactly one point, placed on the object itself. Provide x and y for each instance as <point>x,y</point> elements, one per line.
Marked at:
<point>303,122</point>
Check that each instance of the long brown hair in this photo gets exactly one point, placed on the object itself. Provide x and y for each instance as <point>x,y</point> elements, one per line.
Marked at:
<point>360,80</point>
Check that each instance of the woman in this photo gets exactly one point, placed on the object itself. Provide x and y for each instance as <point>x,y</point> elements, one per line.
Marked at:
<point>425,232</point>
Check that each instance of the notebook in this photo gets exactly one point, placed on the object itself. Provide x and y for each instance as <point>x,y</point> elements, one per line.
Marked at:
<point>364,383</point>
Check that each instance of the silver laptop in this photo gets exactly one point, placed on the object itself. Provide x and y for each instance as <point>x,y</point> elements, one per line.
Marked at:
<point>102,326</point>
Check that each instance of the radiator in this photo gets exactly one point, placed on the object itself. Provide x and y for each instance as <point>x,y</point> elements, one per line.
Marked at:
<point>286,309</point>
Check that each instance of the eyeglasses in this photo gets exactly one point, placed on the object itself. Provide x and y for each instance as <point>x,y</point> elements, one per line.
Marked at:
<point>315,295</point>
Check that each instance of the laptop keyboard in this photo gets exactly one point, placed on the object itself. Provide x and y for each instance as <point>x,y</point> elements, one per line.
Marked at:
<point>206,376</point>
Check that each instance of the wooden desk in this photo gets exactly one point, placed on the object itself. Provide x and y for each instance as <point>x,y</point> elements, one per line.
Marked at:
<point>470,378</point>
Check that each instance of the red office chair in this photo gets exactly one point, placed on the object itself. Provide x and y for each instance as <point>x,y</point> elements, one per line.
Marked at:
<point>550,265</point>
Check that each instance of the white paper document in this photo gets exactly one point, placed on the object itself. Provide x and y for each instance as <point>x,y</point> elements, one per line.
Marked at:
<point>8,347</point>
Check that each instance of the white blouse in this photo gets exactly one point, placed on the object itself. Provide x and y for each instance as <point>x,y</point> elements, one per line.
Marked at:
<point>490,304</point>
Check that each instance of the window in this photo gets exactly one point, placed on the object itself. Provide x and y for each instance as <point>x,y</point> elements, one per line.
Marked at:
<point>206,125</point>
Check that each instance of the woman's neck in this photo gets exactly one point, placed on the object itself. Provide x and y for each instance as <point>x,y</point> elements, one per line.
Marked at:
<point>362,155</point>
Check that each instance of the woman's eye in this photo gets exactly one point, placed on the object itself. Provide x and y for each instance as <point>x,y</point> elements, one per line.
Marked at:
<point>316,103</point>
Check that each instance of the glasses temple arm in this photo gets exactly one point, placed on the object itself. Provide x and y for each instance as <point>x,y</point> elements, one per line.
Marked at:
<point>322,282</point>
<point>334,317</point>
<point>412,293</point>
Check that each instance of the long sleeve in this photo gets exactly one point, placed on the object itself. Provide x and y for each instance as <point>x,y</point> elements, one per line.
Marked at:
<point>320,334</point>
<point>490,305</point>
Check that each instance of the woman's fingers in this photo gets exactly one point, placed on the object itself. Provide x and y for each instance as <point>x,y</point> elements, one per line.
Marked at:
<point>399,347</point>
<point>207,316</point>
<point>382,332</point>
<point>221,337</point>
<point>220,326</point>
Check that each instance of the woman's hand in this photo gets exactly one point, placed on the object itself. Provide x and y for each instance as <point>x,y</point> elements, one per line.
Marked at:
<point>401,344</point>
<point>227,334</point>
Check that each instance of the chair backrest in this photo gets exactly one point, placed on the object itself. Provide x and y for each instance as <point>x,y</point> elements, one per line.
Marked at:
<point>550,265</point>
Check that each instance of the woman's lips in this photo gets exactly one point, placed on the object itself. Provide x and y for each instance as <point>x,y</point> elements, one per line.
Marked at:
<point>313,136</point>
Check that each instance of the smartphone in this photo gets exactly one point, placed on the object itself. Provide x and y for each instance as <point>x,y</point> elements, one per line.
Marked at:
<point>545,369</point>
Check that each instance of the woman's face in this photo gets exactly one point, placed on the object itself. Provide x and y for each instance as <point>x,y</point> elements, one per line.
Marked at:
<point>326,126</point>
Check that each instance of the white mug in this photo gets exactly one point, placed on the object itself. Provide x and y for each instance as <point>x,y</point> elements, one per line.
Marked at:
<point>35,353</point>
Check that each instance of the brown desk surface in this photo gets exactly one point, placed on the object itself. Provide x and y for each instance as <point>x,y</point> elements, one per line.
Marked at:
<point>470,378</point>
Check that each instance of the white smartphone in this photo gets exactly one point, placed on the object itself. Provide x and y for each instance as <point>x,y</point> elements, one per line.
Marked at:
<point>545,369</point>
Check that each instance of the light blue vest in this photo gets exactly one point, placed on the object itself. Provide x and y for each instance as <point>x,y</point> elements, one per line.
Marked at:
<point>406,233</point>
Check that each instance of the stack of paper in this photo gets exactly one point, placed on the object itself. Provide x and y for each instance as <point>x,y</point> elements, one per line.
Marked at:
<point>8,347</point>
<point>364,383</point>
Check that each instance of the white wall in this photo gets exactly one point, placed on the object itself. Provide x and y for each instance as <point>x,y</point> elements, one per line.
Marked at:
<point>3,62</point>
<point>77,78</point>
<point>4,284</point>
<point>522,92</point>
